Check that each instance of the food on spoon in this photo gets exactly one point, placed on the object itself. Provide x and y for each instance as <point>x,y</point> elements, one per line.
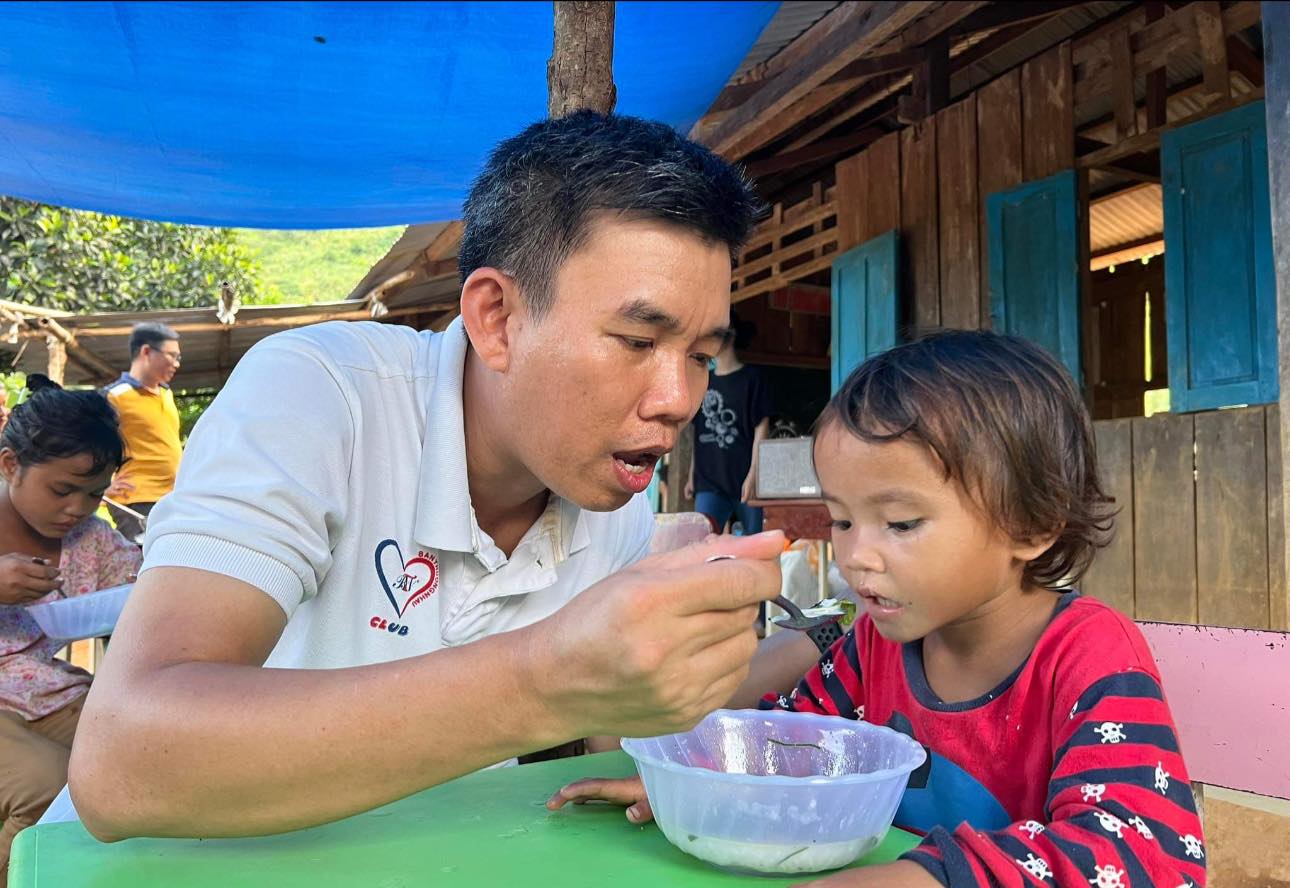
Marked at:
<point>829,607</point>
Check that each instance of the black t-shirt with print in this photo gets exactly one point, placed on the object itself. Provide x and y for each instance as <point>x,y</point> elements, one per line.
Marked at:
<point>723,430</point>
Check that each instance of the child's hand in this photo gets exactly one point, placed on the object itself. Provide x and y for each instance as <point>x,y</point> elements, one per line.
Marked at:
<point>24,579</point>
<point>629,791</point>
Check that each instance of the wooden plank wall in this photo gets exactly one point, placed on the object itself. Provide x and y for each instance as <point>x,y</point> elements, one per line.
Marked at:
<point>931,180</point>
<point>998,127</point>
<point>1199,533</point>
<point>918,217</point>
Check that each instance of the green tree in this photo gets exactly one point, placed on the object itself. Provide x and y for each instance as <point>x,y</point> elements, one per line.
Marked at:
<point>81,261</point>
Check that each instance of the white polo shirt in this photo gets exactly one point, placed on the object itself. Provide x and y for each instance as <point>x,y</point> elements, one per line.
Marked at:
<point>331,474</point>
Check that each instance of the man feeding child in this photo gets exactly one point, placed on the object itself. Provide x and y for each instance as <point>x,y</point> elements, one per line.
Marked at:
<point>960,474</point>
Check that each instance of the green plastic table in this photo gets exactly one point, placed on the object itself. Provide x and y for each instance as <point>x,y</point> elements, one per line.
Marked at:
<point>487,829</point>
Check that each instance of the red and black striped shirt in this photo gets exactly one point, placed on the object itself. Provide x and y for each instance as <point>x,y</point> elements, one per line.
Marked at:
<point>1066,774</point>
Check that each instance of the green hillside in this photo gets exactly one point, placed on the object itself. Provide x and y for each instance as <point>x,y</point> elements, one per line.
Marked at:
<point>315,266</point>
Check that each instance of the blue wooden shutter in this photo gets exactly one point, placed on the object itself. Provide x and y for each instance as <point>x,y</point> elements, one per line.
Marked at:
<point>1034,265</point>
<point>1220,293</point>
<point>865,290</point>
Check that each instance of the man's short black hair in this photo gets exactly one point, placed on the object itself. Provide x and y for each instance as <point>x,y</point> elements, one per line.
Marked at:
<point>530,207</point>
<point>150,333</point>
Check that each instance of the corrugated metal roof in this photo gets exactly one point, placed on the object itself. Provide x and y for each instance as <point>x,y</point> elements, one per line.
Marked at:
<point>414,239</point>
<point>1132,215</point>
<point>207,350</point>
<point>791,21</point>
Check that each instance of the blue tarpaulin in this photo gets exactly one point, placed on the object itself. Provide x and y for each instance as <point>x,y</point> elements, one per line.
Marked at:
<point>312,115</point>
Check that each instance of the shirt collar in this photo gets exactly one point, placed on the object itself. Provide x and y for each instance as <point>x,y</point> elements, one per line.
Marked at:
<point>126,377</point>
<point>445,516</point>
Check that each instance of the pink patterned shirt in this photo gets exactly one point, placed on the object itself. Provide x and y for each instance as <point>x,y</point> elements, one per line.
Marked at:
<point>32,682</point>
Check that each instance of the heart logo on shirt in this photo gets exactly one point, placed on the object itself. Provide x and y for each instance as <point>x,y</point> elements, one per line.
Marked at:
<point>406,583</point>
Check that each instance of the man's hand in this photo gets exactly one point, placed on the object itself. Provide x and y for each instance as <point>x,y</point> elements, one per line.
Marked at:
<point>750,486</point>
<point>627,791</point>
<point>689,488</point>
<point>118,488</point>
<point>24,579</point>
<point>656,647</point>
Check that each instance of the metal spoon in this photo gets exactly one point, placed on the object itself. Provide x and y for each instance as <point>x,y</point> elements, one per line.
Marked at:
<point>796,619</point>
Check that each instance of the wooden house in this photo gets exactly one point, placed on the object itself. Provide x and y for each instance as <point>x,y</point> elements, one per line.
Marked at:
<point>1092,176</point>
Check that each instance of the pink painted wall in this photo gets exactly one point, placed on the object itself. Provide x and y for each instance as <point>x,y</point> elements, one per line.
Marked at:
<point>1229,690</point>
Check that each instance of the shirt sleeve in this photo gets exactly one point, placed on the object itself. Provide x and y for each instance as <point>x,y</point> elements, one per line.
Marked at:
<point>832,687</point>
<point>1119,810</point>
<point>262,486</point>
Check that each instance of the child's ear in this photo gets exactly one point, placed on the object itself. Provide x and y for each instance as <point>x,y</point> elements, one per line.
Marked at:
<point>1027,551</point>
<point>8,465</point>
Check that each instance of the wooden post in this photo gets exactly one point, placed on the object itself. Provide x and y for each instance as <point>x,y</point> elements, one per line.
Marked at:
<point>70,348</point>
<point>1213,49</point>
<point>1157,80</point>
<point>57,358</point>
<point>1276,45</point>
<point>931,84</point>
<point>580,73</point>
<point>678,470</point>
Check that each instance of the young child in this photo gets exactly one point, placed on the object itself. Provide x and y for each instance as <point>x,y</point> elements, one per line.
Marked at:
<point>960,474</point>
<point>58,451</point>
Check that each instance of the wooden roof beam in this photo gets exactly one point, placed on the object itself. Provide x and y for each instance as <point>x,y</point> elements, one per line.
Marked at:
<point>55,331</point>
<point>925,29</point>
<point>34,311</point>
<point>446,242</point>
<point>753,80</point>
<point>1150,140</point>
<point>1152,44</point>
<point>884,88</point>
<point>842,82</point>
<point>1006,14</point>
<point>763,118</point>
<point>823,150</point>
<point>440,255</point>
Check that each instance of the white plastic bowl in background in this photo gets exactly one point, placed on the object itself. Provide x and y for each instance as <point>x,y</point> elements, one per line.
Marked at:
<point>776,792</point>
<point>82,616</point>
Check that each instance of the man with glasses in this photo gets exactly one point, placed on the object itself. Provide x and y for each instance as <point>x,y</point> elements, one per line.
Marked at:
<point>149,424</point>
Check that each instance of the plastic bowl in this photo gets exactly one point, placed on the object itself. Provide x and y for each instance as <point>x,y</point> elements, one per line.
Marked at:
<point>82,616</point>
<point>776,792</point>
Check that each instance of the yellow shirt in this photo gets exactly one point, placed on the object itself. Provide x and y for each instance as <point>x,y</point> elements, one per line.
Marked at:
<point>150,427</point>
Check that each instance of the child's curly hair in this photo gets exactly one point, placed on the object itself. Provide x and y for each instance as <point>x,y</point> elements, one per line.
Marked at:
<point>1006,421</point>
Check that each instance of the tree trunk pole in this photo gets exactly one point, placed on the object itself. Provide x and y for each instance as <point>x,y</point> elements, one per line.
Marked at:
<point>580,73</point>
<point>57,358</point>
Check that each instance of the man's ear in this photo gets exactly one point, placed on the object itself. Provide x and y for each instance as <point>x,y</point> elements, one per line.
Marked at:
<point>491,309</point>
